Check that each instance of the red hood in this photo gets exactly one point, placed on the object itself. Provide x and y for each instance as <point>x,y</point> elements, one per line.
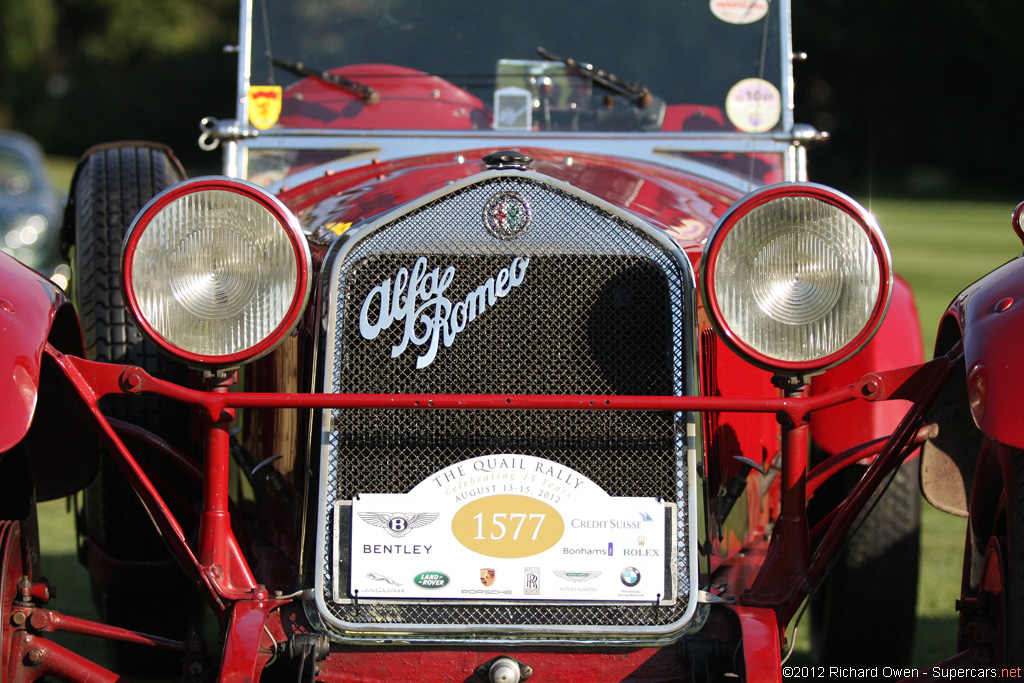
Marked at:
<point>684,205</point>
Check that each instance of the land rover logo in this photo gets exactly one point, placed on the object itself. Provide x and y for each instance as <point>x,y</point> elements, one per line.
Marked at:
<point>431,580</point>
<point>507,215</point>
<point>429,318</point>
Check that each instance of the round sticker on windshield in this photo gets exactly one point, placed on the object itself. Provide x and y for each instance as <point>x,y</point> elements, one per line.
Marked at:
<point>753,105</point>
<point>739,11</point>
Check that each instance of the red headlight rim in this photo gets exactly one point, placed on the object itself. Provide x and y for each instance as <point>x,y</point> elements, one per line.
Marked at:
<point>299,247</point>
<point>1017,220</point>
<point>763,196</point>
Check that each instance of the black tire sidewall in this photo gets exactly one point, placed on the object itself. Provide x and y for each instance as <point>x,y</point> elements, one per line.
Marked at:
<point>112,184</point>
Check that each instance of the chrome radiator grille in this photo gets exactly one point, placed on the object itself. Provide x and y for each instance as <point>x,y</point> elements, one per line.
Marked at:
<point>603,309</point>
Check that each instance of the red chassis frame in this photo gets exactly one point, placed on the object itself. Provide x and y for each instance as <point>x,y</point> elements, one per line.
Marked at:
<point>770,584</point>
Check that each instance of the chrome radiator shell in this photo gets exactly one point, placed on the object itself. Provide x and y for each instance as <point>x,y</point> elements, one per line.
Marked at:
<point>604,308</point>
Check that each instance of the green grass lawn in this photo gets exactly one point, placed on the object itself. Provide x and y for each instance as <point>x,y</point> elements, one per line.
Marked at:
<point>938,246</point>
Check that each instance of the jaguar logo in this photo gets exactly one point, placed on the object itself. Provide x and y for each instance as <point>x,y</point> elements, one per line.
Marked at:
<point>416,299</point>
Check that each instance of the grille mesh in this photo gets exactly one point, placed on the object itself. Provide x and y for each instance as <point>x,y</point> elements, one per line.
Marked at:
<point>601,310</point>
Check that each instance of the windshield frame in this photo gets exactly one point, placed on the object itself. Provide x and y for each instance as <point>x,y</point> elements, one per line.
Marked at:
<point>664,147</point>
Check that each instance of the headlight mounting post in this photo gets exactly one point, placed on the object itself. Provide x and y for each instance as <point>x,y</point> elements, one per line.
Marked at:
<point>219,554</point>
<point>789,549</point>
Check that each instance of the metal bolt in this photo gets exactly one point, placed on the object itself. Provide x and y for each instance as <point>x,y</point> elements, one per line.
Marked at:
<point>18,618</point>
<point>131,381</point>
<point>39,621</point>
<point>34,656</point>
<point>505,670</point>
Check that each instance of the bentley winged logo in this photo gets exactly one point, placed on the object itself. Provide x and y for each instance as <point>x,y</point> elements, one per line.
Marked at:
<point>398,524</point>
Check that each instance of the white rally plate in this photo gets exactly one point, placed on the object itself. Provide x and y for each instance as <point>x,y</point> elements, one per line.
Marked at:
<point>510,527</point>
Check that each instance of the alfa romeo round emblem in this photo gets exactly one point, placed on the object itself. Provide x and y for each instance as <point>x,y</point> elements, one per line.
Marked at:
<point>507,215</point>
<point>630,576</point>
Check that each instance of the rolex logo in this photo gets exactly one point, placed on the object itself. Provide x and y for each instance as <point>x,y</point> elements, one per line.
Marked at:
<point>641,540</point>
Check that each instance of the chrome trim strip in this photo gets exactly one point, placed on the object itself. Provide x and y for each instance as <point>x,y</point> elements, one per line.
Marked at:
<point>389,149</point>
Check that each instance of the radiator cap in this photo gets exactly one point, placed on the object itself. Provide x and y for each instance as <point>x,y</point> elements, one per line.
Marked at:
<point>508,159</point>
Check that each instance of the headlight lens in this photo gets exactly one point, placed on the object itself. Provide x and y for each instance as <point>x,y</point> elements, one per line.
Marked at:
<point>796,277</point>
<point>216,271</point>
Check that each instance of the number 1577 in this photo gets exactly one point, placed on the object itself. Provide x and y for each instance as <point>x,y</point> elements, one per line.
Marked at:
<point>498,528</point>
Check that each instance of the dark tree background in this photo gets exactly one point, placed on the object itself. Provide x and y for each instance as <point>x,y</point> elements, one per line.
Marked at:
<point>79,72</point>
<point>918,97</point>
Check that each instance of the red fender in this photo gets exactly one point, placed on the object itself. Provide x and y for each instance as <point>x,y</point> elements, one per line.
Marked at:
<point>897,344</point>
<point>990,314</point>
<point>36,407</point>
<point>28,305</point>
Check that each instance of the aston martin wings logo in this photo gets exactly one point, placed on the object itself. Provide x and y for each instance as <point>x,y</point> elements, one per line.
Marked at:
<point>398,524</point>
<point>576,577</point>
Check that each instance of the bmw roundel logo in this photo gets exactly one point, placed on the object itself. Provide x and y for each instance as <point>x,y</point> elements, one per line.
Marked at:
<point>630,576</point>
<point>507,215</point>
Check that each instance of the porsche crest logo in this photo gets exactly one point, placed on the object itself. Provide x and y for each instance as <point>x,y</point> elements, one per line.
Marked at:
<point>264,105</point>
<point>487,577</point>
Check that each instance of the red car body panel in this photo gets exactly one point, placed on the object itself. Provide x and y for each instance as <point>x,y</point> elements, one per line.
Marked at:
<point>408,99</point>
<point>990,314</point>
<point>28,306</point>
<point>684,205</point>
<point>897,344</point>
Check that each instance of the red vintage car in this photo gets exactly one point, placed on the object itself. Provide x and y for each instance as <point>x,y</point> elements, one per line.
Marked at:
<point>482,362</point>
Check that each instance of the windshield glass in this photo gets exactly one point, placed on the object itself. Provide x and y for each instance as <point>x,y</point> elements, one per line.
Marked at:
<point>641,65</point>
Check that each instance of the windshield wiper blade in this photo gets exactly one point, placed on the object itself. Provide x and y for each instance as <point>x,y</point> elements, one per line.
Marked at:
<point>639,94</point>
<point>360,90</point>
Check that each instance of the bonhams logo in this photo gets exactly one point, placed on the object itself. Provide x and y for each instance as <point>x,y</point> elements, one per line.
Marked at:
<point>417,300</point>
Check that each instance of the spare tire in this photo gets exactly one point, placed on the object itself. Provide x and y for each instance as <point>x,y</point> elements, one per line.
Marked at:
<point>135,580</point>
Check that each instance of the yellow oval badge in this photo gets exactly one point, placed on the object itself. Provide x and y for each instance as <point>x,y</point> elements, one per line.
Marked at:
<point>508,526</point>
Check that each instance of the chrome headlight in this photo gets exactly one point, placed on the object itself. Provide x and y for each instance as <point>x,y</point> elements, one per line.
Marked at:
<point>215,271</point>
<point>796,277</point>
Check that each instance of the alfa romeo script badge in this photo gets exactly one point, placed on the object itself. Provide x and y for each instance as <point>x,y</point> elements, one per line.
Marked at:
<point>507,215</point>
